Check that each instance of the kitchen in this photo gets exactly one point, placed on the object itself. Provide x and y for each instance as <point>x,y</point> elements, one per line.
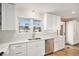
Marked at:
<point>26,31</point>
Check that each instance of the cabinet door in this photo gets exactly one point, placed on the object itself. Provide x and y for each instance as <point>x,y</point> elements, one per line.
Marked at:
<point>40,48</point>
<point>62,42</point>
<point>51,22</point>
<point>56,44</point>
<point>59,43</point>
<point>36,48</point>
<point>31,49</point>
<point>76,33</point>
<point>8,16</point>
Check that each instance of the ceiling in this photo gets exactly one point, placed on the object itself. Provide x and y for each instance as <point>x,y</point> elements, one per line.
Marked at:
<point>61,9</point>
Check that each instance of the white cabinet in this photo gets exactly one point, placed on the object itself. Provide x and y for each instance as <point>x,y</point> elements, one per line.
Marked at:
<point>7,16</point>
<point>51,22</point>
<point>72,32</point>
<point>59,43</point>
<point>36,48</point>
<point>32,48</point>
<point>18,49</point>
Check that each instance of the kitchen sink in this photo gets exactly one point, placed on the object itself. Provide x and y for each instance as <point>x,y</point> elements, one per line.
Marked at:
<point>35,39</point>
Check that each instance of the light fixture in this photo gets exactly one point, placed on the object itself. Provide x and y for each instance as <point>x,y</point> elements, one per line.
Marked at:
<point>33,13</point>
<point>73,12</point>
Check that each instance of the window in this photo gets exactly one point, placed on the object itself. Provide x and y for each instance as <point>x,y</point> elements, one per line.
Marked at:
<point>36,26</point>
<point>29,25</point>
<point>61,30</point>
<point>24,24</point>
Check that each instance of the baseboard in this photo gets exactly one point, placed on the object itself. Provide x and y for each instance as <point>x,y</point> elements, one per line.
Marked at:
<point>72,44</point>
<point>75,44</point>
<point>53,52</point>
<point>48,53</point>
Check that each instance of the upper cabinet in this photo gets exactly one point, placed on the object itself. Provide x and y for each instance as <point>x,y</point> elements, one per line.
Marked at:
<point>51,22</point>
<point>7,16</point>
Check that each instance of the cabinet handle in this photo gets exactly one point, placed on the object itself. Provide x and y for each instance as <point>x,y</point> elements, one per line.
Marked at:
<point>18,46</point>
<point>19,52</point>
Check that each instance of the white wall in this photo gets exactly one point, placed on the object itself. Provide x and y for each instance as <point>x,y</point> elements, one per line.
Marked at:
<point>23,12</point>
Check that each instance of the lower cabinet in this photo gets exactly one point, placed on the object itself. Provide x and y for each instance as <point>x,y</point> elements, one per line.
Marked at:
<point>32,48</point>
<point>36,48</point>
<point>59,43</point>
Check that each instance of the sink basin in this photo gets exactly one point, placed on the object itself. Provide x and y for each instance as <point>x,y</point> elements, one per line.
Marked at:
<point>35,39</point>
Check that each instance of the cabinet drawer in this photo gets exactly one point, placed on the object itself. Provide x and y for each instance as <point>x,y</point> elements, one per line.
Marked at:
<point>36,48</point>
<point>32,51</point>
<point>21,53</point>
<point>17,49</point>
<point>37,43</point>
<point>18,45</point>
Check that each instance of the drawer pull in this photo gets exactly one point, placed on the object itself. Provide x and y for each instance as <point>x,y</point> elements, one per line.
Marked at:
<point>19,53</point>
<point>18,46</point>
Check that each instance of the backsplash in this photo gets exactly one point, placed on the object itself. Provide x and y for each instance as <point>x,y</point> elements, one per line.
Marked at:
<point>12,36</point>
